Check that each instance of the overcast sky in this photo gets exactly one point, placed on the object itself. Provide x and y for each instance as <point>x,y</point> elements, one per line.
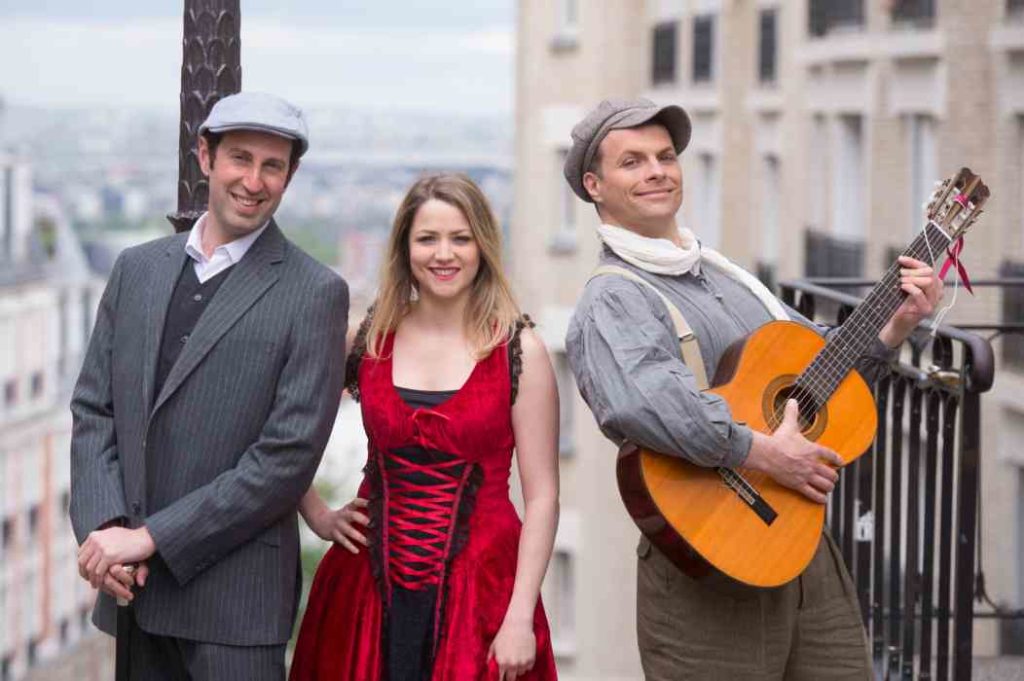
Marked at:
<point>432,55</point>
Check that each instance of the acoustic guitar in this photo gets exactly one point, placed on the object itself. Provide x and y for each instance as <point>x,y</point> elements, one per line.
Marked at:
<point>741,522</point>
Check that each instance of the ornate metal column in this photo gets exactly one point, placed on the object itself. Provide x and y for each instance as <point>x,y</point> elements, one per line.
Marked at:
<point>210,69</point>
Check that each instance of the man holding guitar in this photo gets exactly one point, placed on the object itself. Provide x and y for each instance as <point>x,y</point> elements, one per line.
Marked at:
<point>624,346</point>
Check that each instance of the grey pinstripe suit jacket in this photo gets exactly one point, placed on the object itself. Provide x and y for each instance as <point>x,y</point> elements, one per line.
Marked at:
<point>216,463</point>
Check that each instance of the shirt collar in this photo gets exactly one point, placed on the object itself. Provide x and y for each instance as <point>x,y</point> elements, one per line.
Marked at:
<point>234,249</point>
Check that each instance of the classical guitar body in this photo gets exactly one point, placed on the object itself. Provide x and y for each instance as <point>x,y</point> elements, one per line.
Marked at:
<point>741,522</point>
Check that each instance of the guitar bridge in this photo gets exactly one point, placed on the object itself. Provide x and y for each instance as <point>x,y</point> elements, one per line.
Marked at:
<point>747,494</point>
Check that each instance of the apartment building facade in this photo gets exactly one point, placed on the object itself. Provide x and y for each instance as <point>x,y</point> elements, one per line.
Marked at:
<point>48,297</point>
<point>819,128</point>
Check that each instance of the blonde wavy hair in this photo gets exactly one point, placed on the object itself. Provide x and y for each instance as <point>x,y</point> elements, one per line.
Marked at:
<point>492,312</point>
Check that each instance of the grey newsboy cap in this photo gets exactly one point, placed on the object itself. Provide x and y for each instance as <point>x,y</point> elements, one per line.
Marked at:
<point>261,112</point>
<point>615,114</point>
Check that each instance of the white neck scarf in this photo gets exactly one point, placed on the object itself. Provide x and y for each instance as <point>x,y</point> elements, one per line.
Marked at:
<point>662,256</point>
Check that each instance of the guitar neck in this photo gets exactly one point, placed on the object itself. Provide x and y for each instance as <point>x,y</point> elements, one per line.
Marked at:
<point>861,328</point>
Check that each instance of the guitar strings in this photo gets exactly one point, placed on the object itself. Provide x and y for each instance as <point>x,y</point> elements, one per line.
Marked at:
<point>818,387</point>
<point>875,313</point>
<point>838,345</point>
<point>956,287</point>
<point>823,378</point>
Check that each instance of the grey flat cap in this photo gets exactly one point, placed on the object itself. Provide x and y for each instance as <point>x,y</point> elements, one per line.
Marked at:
<point>616,114</point>
<point>261,112</point>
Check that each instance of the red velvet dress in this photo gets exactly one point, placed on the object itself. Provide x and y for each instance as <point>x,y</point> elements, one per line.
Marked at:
<point>441,522</point>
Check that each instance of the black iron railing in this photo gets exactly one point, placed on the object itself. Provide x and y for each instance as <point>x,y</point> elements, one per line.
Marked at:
<point>906,513</point>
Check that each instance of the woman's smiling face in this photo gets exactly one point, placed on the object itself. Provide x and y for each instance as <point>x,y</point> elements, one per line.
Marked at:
<point>443,254</point>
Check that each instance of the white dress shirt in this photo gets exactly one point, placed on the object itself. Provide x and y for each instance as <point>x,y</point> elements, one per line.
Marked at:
<point>224,256</point>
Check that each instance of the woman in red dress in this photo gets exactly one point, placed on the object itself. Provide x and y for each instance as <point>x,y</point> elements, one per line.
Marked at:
<point>432,575</point>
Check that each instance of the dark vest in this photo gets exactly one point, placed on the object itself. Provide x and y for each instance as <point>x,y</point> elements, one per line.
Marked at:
<point>188,301</point>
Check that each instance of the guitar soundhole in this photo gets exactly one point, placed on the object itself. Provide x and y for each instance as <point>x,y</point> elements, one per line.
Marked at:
<point>813,417</point>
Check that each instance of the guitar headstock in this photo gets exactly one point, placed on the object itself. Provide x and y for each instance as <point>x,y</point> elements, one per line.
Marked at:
<point>956,203</point>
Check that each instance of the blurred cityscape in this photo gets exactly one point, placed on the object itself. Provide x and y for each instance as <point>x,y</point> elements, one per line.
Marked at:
<point>113,174</point>
<point>819,128</point>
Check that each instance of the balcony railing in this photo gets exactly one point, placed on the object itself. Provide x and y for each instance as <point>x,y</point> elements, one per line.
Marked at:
<point>906,513</point>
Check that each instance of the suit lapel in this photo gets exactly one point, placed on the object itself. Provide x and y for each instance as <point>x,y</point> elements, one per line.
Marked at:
<point>167,270</point>
<point>249,280</point>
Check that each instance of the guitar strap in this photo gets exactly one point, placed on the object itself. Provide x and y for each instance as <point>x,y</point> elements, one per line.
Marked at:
<point>688,346</point>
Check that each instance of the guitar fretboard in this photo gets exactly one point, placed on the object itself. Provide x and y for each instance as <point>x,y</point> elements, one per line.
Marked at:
<point>821,378</point>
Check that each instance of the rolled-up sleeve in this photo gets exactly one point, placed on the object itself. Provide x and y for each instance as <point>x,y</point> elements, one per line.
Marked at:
<point>627,365</point>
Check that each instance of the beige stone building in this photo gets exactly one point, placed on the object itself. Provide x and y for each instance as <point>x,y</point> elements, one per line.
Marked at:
<point>48,298</point>
<point>819,129</point>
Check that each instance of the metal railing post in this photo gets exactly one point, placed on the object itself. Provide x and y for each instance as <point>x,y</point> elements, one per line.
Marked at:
<point>210,69</point>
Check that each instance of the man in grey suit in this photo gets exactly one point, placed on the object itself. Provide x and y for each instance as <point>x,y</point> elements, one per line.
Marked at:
<point>207,395</point>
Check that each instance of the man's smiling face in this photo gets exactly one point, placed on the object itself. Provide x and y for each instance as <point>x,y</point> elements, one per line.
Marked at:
<point>248,173</point>
<point>639,185</point>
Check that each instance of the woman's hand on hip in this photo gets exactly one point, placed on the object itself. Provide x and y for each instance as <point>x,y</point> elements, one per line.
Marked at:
<point>339,525</point>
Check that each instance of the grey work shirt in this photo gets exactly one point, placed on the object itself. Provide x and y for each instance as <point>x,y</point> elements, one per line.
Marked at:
<point>624,354</point>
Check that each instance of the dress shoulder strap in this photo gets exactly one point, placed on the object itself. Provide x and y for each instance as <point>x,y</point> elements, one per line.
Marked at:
<point>355,355</point>
<point>688,346</point>
<point>515,353</point>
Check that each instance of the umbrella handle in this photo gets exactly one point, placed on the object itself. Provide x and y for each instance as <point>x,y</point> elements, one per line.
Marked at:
<point>122,659</point>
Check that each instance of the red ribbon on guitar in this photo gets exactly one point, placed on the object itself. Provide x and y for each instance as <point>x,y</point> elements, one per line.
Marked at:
<point>954,250</point>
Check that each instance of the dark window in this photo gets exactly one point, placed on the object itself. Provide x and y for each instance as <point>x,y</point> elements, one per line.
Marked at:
<point>663,58</point>
<point>703,48</point>
<point>825,15</point>
<point>65,631</point>
<point>1015,8</point>
<point>767,50</point>
<point>7,669</point>
<point>914,12</point>
<point>766,273</point>
<point>8,532</point>
<point>1013,312</point>
<point>11,392</point>
<point>890,254</point>
<point>33,521</point>
<point>32,652</point>
<point>37,384</point>
<point>829,256</point>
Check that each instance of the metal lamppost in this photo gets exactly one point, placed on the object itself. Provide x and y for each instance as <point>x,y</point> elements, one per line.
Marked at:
<point>210,69</point>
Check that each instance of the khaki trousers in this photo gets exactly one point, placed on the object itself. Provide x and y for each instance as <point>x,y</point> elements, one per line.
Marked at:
<point>807,630</point>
